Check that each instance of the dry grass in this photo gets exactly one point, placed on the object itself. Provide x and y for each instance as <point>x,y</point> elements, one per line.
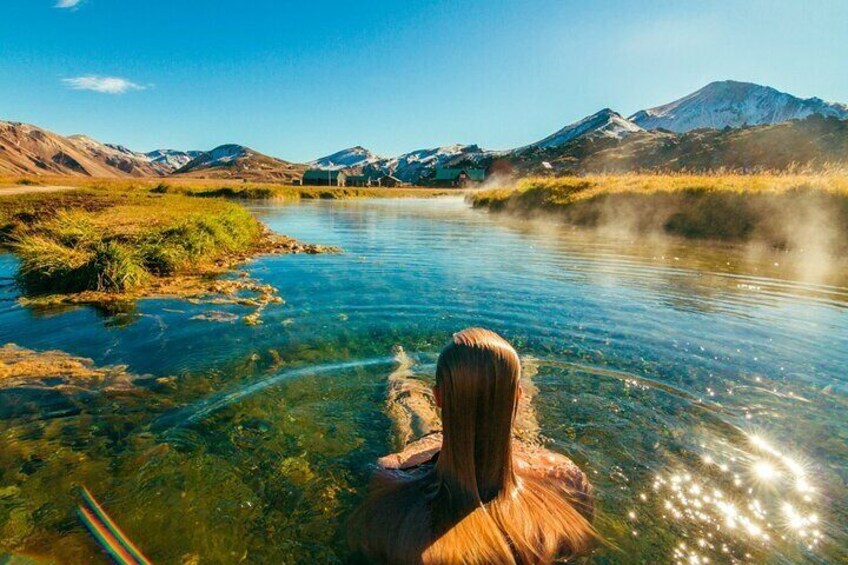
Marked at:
<point>561,191</point>
<point>772,207</point>
<point>223,188</point>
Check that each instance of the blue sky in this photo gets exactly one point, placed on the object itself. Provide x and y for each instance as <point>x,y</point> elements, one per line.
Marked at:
<point>299,80</point>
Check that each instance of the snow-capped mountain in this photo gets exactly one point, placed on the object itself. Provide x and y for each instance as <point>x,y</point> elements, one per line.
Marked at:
<point>29,150</point>
<point>409,167</point>
<point>172,159</point>
<point>734,104</point>
<point>421,163</point>
<point>347,159</point>
<point>221,155</point>
<point>605,123</point>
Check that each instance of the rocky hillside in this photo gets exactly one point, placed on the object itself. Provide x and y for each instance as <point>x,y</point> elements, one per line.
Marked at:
<point>28,150</point>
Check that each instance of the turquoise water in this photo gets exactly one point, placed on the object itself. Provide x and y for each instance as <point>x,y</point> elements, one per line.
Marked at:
<point>702,387</point>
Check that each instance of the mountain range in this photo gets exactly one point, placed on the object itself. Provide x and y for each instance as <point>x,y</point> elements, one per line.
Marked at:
<point>725,124</point>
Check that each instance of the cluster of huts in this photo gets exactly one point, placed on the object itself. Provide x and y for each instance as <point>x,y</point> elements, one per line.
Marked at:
<point>445,177</point>
<point>320,177</point>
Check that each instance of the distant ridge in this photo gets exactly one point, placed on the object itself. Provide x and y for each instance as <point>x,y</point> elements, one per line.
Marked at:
<point>700,131</point>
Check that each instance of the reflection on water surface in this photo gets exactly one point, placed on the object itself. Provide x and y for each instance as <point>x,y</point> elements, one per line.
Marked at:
<point>702,389</point>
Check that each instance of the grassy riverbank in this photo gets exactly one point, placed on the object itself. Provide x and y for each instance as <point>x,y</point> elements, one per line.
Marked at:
<point>781,210</point>
<point>226,188</point>
<point>109,246</point>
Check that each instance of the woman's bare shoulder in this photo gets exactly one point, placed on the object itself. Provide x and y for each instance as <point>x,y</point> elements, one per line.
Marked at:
<point>536,461</point>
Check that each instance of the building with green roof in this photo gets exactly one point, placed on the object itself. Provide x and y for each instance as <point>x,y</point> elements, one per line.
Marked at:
<point>319,177</point>
<point>458,177</point>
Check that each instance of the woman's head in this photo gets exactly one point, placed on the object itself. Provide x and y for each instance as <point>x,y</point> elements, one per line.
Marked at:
<point>477,387</point>
<point>470,507</point>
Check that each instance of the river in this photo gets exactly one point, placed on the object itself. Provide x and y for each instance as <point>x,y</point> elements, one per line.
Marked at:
<point>701,386</point>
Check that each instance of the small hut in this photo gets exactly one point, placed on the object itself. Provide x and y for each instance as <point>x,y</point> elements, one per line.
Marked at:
<point>458,177</point>
<point>363,180</point>
<point>319,177</point>
<point>390,181</point>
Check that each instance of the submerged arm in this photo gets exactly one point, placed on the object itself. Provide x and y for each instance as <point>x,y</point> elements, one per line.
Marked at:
<point>416,453</point>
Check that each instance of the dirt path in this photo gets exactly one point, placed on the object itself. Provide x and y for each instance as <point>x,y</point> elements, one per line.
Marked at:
<point>24,189</point>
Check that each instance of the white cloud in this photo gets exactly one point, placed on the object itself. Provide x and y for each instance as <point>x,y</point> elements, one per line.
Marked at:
<point>106,85</point>
<point>68,3</point>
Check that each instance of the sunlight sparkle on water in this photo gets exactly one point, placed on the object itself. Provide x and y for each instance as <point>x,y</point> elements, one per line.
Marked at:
<point>736,503</point>
<point>765,471</point>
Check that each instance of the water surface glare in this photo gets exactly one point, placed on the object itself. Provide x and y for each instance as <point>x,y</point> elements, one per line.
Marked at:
<point>702,387</point>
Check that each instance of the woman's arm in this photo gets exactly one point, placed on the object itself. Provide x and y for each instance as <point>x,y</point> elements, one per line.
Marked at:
<point>416,453</point>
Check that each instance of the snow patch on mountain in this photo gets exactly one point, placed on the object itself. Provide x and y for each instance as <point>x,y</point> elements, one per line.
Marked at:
<point>172,159</point>
<point>605,123</point>
<point>346,159</point>
<point>734,104</point>
<point>222,155</point>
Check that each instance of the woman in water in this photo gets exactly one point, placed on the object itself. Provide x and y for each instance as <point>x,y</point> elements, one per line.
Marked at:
<point>472,493</point>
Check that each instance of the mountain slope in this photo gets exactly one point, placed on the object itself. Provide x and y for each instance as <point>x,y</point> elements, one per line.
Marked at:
<point>30,150</point>
<point>116,156</point>
<point>814,142</point>
<point>238,161</point>
<point>734,104</point>
<point>605,123</point>
<point>347,159</point>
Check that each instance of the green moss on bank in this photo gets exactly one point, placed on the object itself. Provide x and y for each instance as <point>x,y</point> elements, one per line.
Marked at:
<point>100,247</point>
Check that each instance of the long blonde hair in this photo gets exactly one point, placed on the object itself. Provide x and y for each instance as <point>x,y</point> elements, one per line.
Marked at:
<point>472,506</point>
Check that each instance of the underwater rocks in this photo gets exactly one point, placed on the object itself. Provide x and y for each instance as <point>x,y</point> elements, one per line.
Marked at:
<point>283,245</point>
<point>21,367</point>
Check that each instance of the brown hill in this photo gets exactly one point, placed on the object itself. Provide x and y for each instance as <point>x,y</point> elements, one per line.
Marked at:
<point>29,150</point>
<point>239,162</point>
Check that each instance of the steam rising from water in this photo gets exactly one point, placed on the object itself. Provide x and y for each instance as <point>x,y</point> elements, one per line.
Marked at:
<point>802,233</point>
